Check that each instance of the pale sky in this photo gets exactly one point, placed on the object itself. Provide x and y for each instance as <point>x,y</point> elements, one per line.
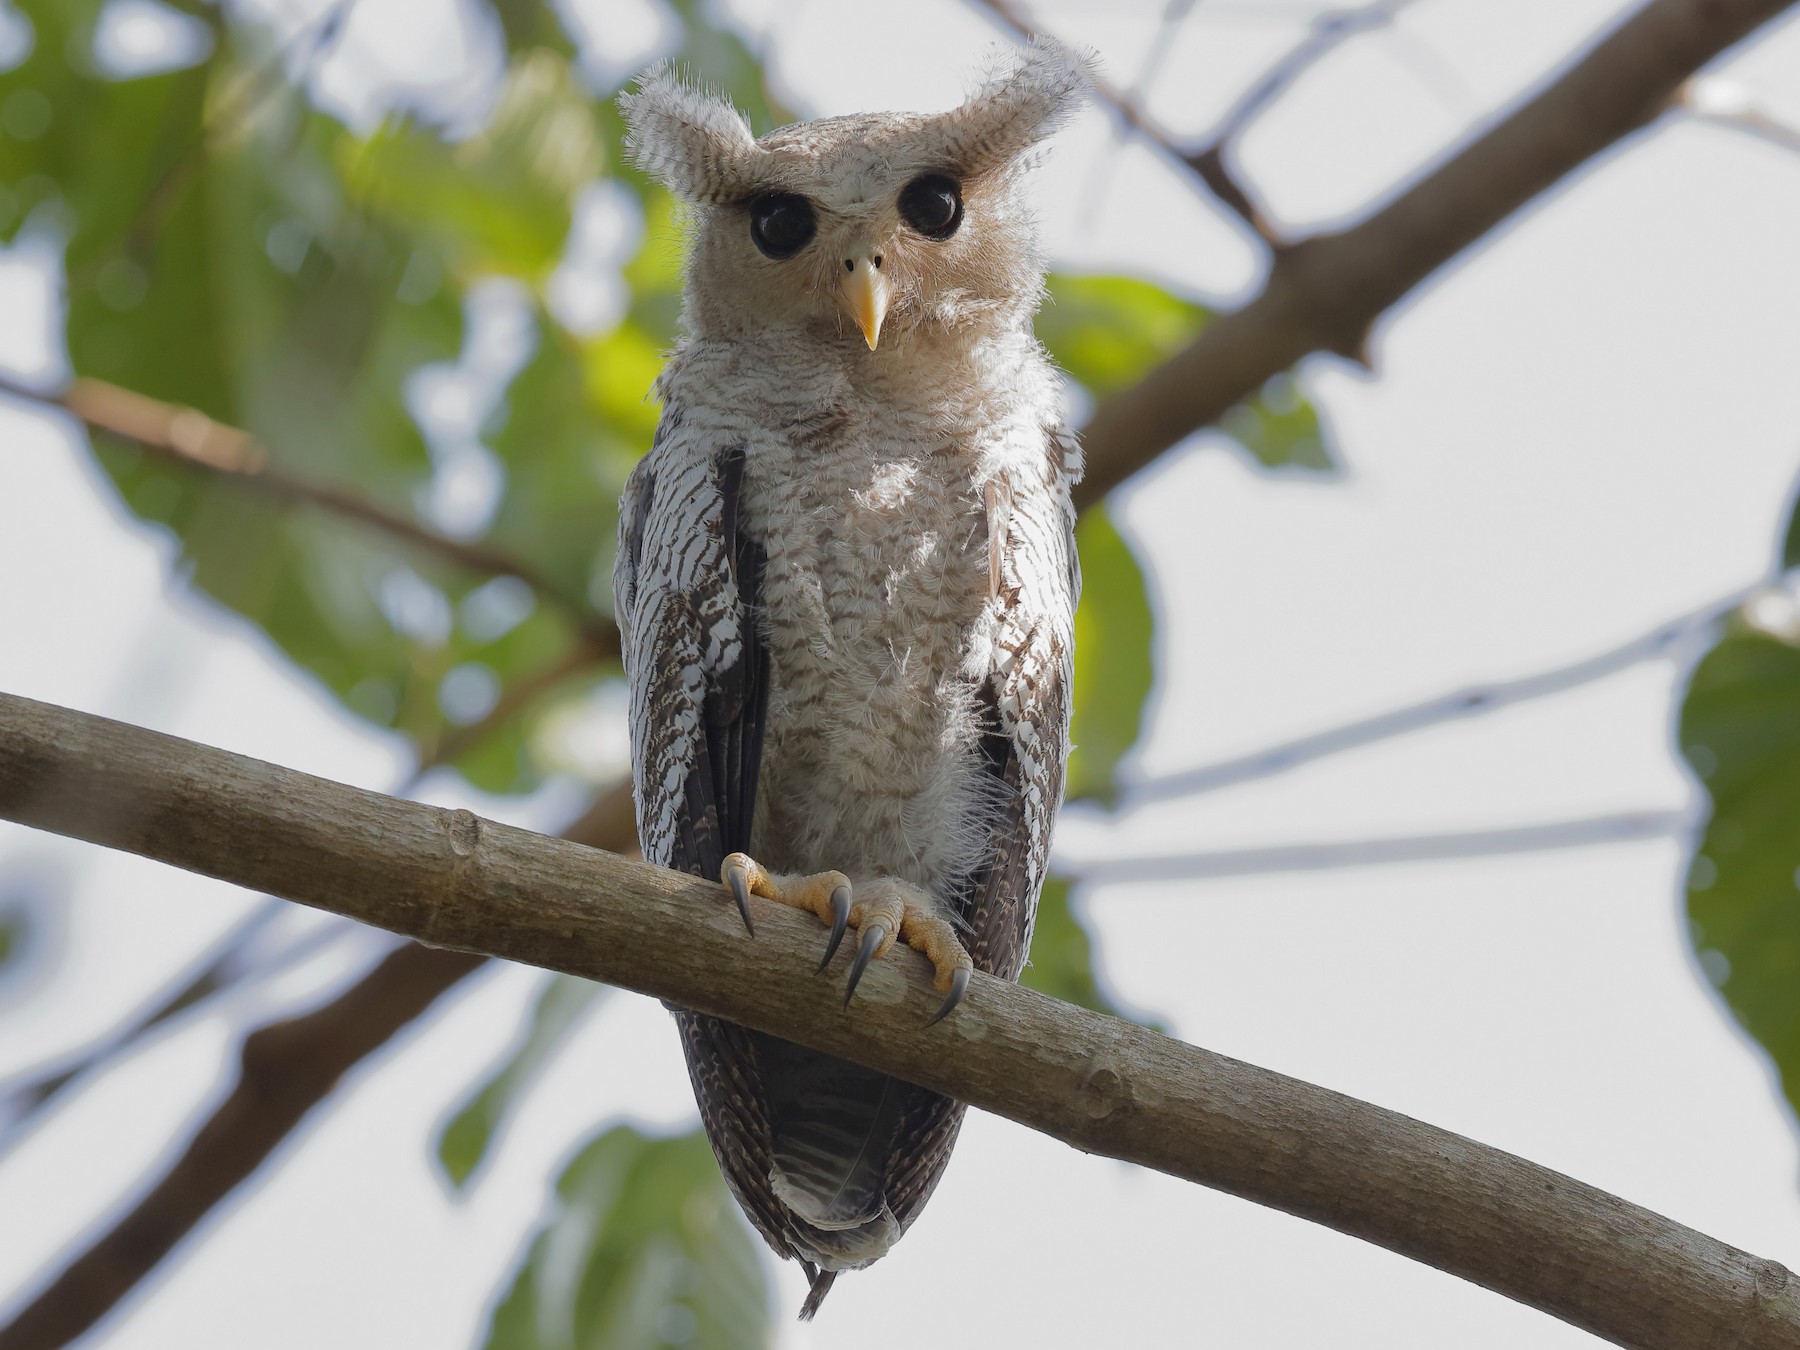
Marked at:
<point>1586,426</point>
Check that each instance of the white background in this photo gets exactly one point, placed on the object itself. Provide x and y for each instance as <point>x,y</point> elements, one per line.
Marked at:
<point>1586,425</point>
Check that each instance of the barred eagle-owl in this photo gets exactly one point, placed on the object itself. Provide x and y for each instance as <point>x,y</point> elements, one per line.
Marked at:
<point>847,583</point>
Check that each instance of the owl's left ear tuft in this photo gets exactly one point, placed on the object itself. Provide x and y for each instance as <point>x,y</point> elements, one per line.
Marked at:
<point>693,140</point>
<point>1029,93</point>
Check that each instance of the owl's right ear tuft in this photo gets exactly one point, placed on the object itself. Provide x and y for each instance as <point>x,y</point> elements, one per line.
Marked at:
<point>692,140</point>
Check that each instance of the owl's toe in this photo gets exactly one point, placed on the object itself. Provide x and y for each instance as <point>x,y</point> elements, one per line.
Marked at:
<point>840,920</point>
<point>891,910</point>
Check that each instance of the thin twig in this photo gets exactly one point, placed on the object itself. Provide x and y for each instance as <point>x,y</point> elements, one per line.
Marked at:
<point>1212,160</point>
<point>1625,827</point>
<point>1125,106</point>
<point>190,439</point>
<point>1663,640</point>
<point>222,972</point>
<point>450,879</point>
<point>1209,157</point>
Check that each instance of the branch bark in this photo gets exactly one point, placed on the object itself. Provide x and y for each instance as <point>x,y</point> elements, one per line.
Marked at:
<point>1326,293</point>
<point>453,880</point>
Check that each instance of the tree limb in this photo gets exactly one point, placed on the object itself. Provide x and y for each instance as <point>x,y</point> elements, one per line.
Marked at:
<point>189,439</point>
<point>453,880</point>
<point>1620,828</point>
<point>286,1069</point>
<point>1326,293</point>
<point>1663,640</point>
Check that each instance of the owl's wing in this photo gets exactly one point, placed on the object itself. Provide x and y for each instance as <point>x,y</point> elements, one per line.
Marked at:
<point>685,591</point>
<point>1034,580</point>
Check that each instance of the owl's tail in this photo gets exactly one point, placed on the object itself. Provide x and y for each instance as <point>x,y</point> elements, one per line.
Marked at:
<point>821,1286</point>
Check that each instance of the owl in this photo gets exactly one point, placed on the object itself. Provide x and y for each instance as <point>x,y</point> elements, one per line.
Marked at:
<point>846,583</point>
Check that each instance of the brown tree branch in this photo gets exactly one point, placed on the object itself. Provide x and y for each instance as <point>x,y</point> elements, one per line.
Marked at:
<point>453,880</point>
<point>285,1070</point>
<point>1326,293</point>
<point>189,439</point>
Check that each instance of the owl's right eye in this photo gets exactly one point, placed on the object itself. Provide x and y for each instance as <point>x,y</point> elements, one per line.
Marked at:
<point>781,224</point>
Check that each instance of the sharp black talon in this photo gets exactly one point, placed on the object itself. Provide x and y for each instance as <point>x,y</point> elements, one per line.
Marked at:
<point>742,893</point>
<point>840,920</point>
<point>865,952</point>
<point>959,985</point>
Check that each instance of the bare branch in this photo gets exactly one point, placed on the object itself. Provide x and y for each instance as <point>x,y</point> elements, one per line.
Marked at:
<point>453,880</point>
<point>190,439</point>
<point>1129,111</point>
<point>1327,292</point>
<point>228,967</point>
<point>1624,827</point>
<point>1210,158</point>
<point>1663,640</point>
<point>286,1070</point>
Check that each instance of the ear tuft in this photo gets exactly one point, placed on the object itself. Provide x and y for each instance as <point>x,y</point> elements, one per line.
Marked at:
<point>692,140</point>
<point>1029,93</point>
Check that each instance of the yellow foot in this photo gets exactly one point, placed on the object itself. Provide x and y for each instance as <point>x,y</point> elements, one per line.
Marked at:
<point>888,910</point>
<point>826,894</point>
<point>894,909</point>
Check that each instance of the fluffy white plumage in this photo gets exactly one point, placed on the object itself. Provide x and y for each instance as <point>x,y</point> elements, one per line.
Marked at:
<point>847,583</point>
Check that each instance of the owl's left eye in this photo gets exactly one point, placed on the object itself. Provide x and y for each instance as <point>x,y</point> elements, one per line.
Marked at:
<point>932,205</point>
<point>781,224</point>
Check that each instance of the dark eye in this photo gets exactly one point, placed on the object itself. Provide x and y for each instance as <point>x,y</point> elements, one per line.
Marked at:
<point>932,205</point>
<point>781,223</point>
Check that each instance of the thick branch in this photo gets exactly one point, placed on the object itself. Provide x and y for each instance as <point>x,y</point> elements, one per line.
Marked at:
<point>451,879</point>
<point>1326,293</point>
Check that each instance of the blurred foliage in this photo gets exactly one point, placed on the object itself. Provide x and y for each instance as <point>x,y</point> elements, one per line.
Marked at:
<point>233,249</point>
<point>1740,732</point>
<point>469,1134</point>
<point>1108,332</point>
<point>644,1248</point>
<point>1113,656</point>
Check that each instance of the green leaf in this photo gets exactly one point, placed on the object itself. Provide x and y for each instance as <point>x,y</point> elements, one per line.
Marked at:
<point>1280,427</point>
<point>469,1134</point>
<point>1113,658</point>
<point>256,261</point>
<point>643,1248</point>
<point>1109,332</point>
<point>1740,732</point>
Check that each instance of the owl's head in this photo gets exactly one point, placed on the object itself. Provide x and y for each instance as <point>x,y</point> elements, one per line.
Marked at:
<point>870,224</point>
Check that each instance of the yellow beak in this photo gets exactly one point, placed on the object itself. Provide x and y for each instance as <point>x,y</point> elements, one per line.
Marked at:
<point>866,296</point>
